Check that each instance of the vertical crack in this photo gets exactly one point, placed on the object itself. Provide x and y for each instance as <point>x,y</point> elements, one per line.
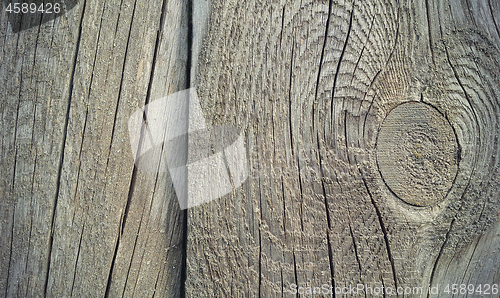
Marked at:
<point>340,59</point>
<point>384,231</point>
<point>282,285</point>
<point>321,57</point>
<point>260,262</point>
<point>471,257</point>
<point>121,80</point>
<point>148,95</point>
<point>184,212</point>
<point>155,53</point>
<point>17,120</point>
<point>290,99</point>
<point>284,206</point>
<point>355,248</point>
<point>429,30</point>
<point>282,24</point>
<point>323,183</point>
<point>301,196</point>
<point>439,255</point>
<point>297,153</point>
<point>345,138</point>
<point>110,274</point>
<point>61,159</point>
<point>148,217</point>
<point>363,49</point>
<point>129,200</point>
<point>295,270</point>
<point>260,237</point>
<point>447,236</point>
<point>76,261</point>
<point>330,259</point>
<point>156,281</point>
<point>130,264</point>
<point>383,293</point>
<point>371,102</point>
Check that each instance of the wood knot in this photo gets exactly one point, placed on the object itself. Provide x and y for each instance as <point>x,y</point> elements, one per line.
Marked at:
<point>417,153</point>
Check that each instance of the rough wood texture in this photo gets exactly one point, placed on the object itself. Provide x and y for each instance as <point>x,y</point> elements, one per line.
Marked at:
<point>76,219</point>
<point>310,83</point>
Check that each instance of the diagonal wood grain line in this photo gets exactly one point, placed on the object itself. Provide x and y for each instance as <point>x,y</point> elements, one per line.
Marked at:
<point>61,160</point>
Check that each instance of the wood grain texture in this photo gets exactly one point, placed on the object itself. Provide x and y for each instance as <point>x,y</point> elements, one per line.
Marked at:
<point>417,153</point>
<point>76,218</point>
<point>310,83</point>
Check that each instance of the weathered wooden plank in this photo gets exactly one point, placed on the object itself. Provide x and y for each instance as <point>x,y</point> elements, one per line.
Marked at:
<point>77,219</point>
<point>36,70</point>
<point>150,254</point>
<point>309,84</point>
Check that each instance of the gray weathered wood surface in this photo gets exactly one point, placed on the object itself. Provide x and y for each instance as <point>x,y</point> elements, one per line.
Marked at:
<point>76,218</point>
<point>308,83</point>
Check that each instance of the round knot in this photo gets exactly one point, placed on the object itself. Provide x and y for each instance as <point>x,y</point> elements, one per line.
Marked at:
<point>417,153</point>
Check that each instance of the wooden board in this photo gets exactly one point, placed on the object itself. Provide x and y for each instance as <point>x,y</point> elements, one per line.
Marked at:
<point>310,83</point>
<point>76,218</point>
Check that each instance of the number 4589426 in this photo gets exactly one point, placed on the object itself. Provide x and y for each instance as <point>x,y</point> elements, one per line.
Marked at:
<point>33,8</point>
<point>485,289</point>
